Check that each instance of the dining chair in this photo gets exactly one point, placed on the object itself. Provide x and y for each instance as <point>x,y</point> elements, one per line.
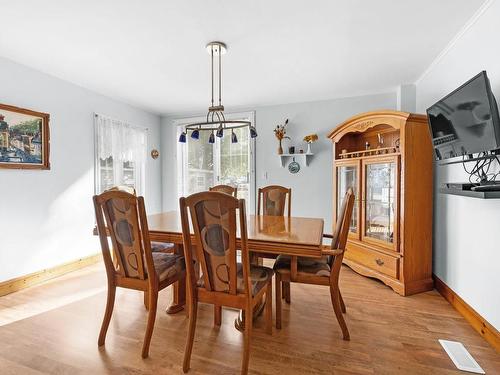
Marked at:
<point>156,246</point>
<point>273,199</point>
<point>322,271</point>
<point>226,189</point>
<point>223,281</point>
<point>135,266</point>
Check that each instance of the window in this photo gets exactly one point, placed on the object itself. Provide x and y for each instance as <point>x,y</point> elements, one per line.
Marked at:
<point>201,165</point>
<point>120,155</point>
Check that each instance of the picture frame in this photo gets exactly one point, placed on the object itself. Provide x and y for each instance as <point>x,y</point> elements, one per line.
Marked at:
<point>24,138</point>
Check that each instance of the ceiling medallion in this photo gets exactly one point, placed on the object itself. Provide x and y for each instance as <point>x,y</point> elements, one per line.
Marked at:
<point>216,122</point>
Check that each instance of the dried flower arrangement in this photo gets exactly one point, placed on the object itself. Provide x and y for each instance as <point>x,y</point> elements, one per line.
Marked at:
<point>280,133</point>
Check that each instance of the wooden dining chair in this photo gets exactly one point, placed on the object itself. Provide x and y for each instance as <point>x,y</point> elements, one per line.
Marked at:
<point>323,271</point>
<point>156,246</point>
<point>226,189</point>
<point>273,200</point>
<point>223,281</point>
<point>135,266</point>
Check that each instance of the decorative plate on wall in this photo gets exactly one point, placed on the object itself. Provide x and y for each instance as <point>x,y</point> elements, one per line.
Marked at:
<point>294,167</point>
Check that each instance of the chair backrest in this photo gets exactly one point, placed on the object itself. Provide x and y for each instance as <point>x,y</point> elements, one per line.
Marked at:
<point>214,221</point>
<point>342,224</point>
<point>123,216</point>
<point>273,200</point>
<point>225,189</point>
<point>125,188</point>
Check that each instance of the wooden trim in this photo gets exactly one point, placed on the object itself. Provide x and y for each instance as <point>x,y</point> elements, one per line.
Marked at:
<point>485,329</point>
<point>22,282</point>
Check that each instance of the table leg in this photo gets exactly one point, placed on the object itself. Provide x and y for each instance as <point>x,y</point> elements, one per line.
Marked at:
<point>179,300</point>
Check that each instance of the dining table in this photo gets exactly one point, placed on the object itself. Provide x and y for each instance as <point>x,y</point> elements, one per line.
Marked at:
<point>293,236</point>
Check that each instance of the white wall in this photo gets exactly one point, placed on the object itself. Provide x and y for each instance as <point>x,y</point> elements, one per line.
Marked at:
<point>466,234</point>
<point>46,217</point>
<point>312,186</point>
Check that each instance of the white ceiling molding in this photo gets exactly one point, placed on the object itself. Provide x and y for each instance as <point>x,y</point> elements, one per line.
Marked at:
<point>476,16</point>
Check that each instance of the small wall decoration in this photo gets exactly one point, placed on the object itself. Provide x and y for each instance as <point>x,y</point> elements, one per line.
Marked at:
<point>280,133</point>
<point>24,138</point>
<point>155,153</point>
<point>294,167</point>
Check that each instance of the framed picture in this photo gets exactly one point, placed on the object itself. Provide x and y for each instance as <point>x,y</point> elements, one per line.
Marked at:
<point>24,138</point>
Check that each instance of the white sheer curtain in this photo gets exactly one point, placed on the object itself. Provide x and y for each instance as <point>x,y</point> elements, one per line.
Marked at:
<point>120,154</point>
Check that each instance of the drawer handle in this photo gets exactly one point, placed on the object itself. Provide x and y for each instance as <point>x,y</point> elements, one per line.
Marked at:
<point>380,262</point>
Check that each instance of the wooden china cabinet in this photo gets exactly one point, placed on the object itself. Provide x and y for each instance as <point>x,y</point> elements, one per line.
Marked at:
<point>386,157</point>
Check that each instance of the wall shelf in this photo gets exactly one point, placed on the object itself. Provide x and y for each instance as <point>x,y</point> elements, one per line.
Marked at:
<point>471,193</point>
<point>299,157</point>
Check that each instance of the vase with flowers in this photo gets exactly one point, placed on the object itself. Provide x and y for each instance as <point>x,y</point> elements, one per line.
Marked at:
<point>280,133</point>
<point>310,139</point>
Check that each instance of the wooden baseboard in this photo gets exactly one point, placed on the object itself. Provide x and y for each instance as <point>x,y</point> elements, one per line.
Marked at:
<point>485,329</point>
<point>13,285</point>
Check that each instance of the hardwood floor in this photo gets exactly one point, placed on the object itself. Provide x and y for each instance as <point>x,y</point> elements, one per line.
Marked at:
<point>53,328</point>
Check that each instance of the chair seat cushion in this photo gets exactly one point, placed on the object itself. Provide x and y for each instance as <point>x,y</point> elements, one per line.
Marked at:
<point>309,266</point>
<point>259,276</point>
<point>167,265</point>
<point>162,247</point>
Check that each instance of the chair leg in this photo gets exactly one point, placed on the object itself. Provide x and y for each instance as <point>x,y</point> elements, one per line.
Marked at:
<point>342,304</point>
<point>287,292</point>
<point>247,340</point>
<point>146,300</point>
<point>269,307</point>
<point>277,280</point>
<point>110,303</point>
<point>153,302</point>
<point>335,295</point>
<point>193,312</point>
<point>217,315</point>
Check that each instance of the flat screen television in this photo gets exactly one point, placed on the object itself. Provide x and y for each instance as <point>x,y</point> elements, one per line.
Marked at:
<point>466,121</point>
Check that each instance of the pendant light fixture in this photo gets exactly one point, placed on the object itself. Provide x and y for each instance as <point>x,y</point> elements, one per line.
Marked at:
<point>215,119</point>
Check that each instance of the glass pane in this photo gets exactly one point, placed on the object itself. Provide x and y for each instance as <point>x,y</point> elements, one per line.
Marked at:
<point>106,174</point>
<point>380,190</point>
<point>200,160</point>
<point>235,162</point>
<point>347,178</point>
<point>128,174</point>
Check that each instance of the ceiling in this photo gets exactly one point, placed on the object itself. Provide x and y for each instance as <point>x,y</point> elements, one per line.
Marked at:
<point>152,53</point>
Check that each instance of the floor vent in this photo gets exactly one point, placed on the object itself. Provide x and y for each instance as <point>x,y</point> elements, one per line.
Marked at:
<point>461,357</point>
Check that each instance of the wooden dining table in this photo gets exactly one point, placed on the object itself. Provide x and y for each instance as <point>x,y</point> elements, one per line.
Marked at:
<point>294,236</point>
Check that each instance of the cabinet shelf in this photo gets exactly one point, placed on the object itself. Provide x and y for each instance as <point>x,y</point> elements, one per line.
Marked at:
<point>305,158</point>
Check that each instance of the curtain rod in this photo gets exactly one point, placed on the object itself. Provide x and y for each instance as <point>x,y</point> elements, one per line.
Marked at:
<point>124,122</point>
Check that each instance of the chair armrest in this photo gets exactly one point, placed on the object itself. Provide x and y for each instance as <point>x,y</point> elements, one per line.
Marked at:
<point>328,251</point>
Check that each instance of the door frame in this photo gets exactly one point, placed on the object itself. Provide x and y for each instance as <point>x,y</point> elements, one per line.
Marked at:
<point>179,125</point>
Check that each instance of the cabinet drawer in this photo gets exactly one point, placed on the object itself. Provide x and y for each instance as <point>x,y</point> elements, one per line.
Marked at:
<point>374,260</point>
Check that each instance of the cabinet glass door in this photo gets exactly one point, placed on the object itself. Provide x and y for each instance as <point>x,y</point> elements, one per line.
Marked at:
<point>348,177</point>
<point>380,206</point>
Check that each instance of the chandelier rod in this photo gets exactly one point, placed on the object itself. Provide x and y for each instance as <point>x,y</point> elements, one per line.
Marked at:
<point>220,76</point>
<point>212,65</point>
